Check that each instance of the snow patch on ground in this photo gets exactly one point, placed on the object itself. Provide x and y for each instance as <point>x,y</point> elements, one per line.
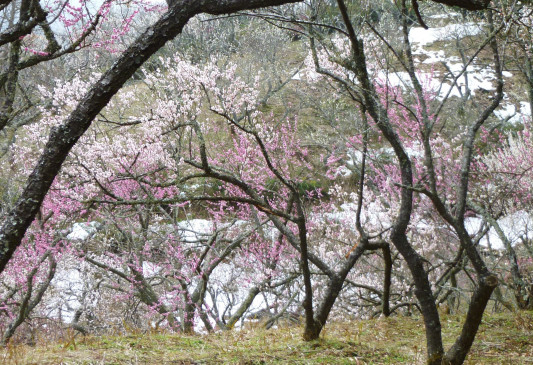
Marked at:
<point>444,16</point>
<point>449,32</point>
<point>69,287</point>
<point>193,230</point>
<point>372,215</point>
<point>514,227</point>
<point>83,231</point>
<point>478,78</point>
<point>513,114</point>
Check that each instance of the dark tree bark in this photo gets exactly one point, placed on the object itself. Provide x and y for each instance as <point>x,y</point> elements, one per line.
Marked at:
<point>457,353</point>
<point>466,4</point>
<point>63,138</point>
<point>529,78</point>
<point>385,298</point>
<point>334,287</point>
<point>398,234</point>
<point>312,327</point>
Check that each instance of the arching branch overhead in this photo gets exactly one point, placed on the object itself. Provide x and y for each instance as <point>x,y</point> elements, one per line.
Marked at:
<point>466,4</point>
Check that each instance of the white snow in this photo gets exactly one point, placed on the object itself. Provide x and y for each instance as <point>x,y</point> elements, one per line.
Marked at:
<point>192,230</point>
<point>525,108</point>
<point>82,231</point>
<point>515,116</point>
<point>449,32</point>
<point>444,16</point>
<point>479,77</point>
<point>505,111</point>
<point>372,215</point>
<point>68,285</point>
<point>437,56</point>
<point>514,226</point>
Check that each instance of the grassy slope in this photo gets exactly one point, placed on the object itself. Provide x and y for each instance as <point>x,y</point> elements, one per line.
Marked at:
<point>503,339</point>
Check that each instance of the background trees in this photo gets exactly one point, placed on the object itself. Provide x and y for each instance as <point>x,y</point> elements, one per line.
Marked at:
<point>63,138</point>
<point>338,176</point>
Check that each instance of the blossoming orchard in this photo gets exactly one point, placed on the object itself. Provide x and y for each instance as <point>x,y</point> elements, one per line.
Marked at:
<point>195,166</point>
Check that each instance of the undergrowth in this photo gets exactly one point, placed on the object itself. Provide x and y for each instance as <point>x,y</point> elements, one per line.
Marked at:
<point>505,338</point>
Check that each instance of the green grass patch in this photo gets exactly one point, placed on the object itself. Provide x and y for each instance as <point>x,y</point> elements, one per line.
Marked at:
<point>503,339</point>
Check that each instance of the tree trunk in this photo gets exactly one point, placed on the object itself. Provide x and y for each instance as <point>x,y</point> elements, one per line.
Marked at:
<point>385,298</point>
<point>252,293</point>
<point>423,293</point>
<point>457,353</point>
<point>398,236</point>
<point>529,80</point>
<point>312,328</point>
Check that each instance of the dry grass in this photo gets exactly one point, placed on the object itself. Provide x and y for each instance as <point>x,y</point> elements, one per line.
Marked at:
<point>503,339</point>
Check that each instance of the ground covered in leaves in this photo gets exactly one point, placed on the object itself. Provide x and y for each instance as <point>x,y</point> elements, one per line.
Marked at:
<point>503,339</point>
